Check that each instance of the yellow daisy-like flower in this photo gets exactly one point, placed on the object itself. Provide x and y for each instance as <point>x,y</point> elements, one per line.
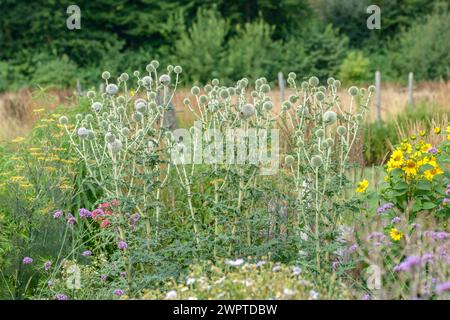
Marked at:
<point>397,157</point>
<point>437,130</point>
<point>18,139</point>
<point>425,147</point>
<point>406,147</point>
<point>410,168</point>
<point>395,234</point>
<point>422,133</point>
<point>386,178</point>
<point>429,174</point>
<point>413,137</point>
<point>38,110</point>
<point>362,186</point>
<point>448,131</point>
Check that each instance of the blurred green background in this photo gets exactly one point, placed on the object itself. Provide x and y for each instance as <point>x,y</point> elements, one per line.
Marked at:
<point>228,39</point>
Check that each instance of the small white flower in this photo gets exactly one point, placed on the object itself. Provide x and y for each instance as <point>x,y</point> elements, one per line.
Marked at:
<point>276,268</point>
<point>314,295</point>
<point>235,263</point>
<point>288,292</point>
<point>190,281</point>
<point>296,271</point>
<point>171,294</point>
<point>259,264</point>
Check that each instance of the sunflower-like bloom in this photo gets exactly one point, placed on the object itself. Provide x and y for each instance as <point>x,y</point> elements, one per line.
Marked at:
<point>410,167</point>
<point>395,161</point>
<point>362,186</point>
<point>406,147</point>
<point>429,174</point>
<point>395,234</point>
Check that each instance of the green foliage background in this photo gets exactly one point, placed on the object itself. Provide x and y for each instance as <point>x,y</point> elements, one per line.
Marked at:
<point>223,38</point>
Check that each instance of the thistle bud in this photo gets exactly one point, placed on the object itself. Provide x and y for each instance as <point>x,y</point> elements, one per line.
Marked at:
<point>140,105</point>
<point>177,69</point>
<point>232,91</point>
<point>319,133</point>
<point>247,111</point>
<point>329,117</point>
<point>215,82</point>
<point>125,131</point>
<point>91,135</point>
<point>224,94</point>
<point>330,142</point>
<point>138,116</point>
<point>63,120</point>
<point>289,160</point>
<point>337,83</point>
<point>353,91</point>
<point>316,161</point>
<point>89,117</point>
<point>124,77</point>
<point>82,132</point>
<point>265,88</point>
<point>186,101</point>
<point>341,130</point>
<point>195,91</point>
<point>330,81</point>
<point>106,75</point>
<point>111,89</point>
<point>372,89</point>
<point>164,79</point>
<point>286,106</point>
<point>268,105</point>
<point>155,64</point>
<point>146,81</point>
<point>115,146</point>
<point>109,137</point>
<point>96,106</point>
<point>90,94</point>
<point>208,88</point>
<point>292,75</point>
<point>313,81</point>
<point>203,99</point>
<point>320,96</point>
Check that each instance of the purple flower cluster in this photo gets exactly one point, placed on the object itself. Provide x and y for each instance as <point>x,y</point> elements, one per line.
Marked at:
<point>118,292</point>
<point>352,248</point>
<point>409,263</point>
<point>432,150</point>
<point>122,245</point>
<point>70,219</point>
<point>103,277</point>
<point>437,235</point>
<point>57,214</point>
<point>447,192</point>
<point>396,220</point>
<point>61,296</point>
<point>47,265</point>
<point>87,253</point>
<point>27,260</point>
<point>443,287</point>
<point>376,236</point>
<point>84,213</point>
<point>123,274</point>
<point>385,207</point>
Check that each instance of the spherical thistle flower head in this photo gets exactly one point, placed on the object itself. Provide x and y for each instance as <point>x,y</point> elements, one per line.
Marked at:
<point>224,94</point>
<point>61,297</point>
<point>319,133</point>
<point>58,214</point>
<point>337,83</point>
<point>232,91</point>
<point>286,105</point>
<point>329,117</point>
<point>372,89</point>
<point>27,260</point>
<point>265,88</point>
<point>353,91</point>
<point>203,99</point>
<point>313,81</point>
<point>289,160</point>
<point>106,75</point>
<point>215,82</point>
<point>109,137</point>
<point>63,120</point>
<point>330,81</point>
<point>164,79</point>
<point>138,116</point>
<point>178,69</point>
<point>254,94</point>
<point>115,146</point>
<point>147,81</point>
<point>247,111</point>
<point>124,77</point>
<point>186,101</point>
<point>267,106</point>
<point>341,130</point>
<point>330,142</point>
<point>195,90</point>
<point>89,117</point>
<point>122,245</point>
<point>140,105</point>
<point>136,73</point>
<point>84,213</point>
<point>316,161</point>
<point>121,100</point>
<point>305,85</point>
<point>90,94</point>
<point>155,64</point>
<point>292,75</point>
<point>293,98</point>
<point>47,265</point>
<point>82,132</point>
<point>111,89</point>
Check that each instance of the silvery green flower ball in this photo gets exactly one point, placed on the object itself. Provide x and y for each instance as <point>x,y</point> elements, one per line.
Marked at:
<point>115,146</point>
<point>268,105</point>
<point>105,114</point>
<point>111,117</point>
<point>124,77</point>
<point>330,142</point>
<point>324,144</point>
<point>152,105</point>
<point>111,89</point>
<point>305,85</point>
<point>353,91</point>
<point>215,82</point>
<point>82,132</point>
<point>208,88</point>
<point>330,81</point>
<point>152,95</point>
<point>195,90</point>
<point>63,120</point>
<point>136,73</point>
<point>106,75</point>
<point>224,94</point>
<point>320,96</point>
<point>90,94</point>
<point>320,133</point>
<point>341,130</point>
<point>313,81</point>
<point>178,69</point>
<point>247,111</point>
<point>337,83</point>
<point>186,101</point>
<point>169,68</point>
<point>254,94</point>
<point>155,64</point>
<point>78,116</point>
<point>372,89</point>
<point>316,161</point>
<point>104,124</point>
<point>289,160</point>
<point>125,131</point>
<point>286,105</point>
<point>146,81</point>
<point>96,106</point>
<point>203,99</point>
<point>362,91</point>
<point>121,99</point>
<point>359,117</point>
<point>137,116</point>
<point>232,91</point>
<point>140,105</point>
<point>89,117</point>
<point>121,110</point>
<point>164,79</point>
<point>91,135</point>
<point>290,81</point>
<point>292,75</point>
<point>293,98</point>
<point>150,68</point>
<point>109,137</point>
<point>329,117</point>
<point>323,89</point>
<point>265,88</point>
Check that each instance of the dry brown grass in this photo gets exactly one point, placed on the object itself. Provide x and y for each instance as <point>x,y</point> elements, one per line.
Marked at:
<point>16,115</point>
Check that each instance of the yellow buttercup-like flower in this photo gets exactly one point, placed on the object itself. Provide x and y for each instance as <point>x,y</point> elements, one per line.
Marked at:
<point>437,130</point>
<point>448,131</point>
<point>395,234</point>
<point>410,168</point>
<point>429,174</point>
<point>18,139</point>
<point>406,147</point>
<point>362,186</point>
<point>422,133</point>
<point>425,147</point>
